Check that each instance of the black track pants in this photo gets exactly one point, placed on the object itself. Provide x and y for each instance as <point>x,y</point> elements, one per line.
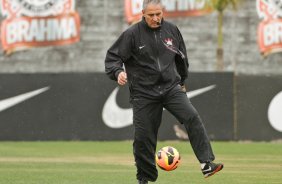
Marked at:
<point>147,115</point>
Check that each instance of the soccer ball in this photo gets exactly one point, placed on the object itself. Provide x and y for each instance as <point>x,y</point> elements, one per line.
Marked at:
<point>168,158</point>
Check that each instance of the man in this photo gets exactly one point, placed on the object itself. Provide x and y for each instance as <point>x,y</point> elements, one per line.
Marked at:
<point>151,57</point>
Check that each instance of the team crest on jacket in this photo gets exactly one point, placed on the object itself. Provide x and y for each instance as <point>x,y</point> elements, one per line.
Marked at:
<point>168,42</point>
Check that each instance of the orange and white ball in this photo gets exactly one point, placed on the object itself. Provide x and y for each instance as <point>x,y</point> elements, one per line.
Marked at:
<point>168,158</point>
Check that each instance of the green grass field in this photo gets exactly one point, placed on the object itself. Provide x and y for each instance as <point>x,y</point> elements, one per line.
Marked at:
<point>112,163</point>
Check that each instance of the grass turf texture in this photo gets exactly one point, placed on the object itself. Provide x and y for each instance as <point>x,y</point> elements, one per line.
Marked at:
<point>112,163</point>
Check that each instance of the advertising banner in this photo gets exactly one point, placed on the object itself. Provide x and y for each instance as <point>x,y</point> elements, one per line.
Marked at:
<point>259,107</point>
<point>89,106</point>
<point>270,28</point>
<point>173,8</point>
<point>38,23</point>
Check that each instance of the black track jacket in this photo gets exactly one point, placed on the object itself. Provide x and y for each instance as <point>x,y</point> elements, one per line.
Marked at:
<point>155,60</point>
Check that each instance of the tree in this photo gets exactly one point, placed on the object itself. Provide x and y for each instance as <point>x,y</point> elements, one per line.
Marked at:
<point>220,6</point>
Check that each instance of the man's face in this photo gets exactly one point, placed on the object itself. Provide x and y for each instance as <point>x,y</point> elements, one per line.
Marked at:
<point>153,15</point>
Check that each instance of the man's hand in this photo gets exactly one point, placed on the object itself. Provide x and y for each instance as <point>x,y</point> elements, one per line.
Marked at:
<point>183,88</point>
<point>122,78</point>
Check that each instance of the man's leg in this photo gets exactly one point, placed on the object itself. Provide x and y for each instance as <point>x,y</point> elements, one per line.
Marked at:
<point>180,106</point>
<point>147,116</point>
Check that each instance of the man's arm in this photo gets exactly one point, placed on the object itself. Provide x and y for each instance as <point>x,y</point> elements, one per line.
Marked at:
<point>182,63</point>
<point>117,54</point>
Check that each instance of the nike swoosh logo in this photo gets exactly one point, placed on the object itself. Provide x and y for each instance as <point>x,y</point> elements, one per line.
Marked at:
<point>10,102</point>
<point>117,117</point>
<point>209,169</point>
<point>141,47</point>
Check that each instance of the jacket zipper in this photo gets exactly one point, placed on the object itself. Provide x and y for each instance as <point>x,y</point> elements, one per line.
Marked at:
<point>158,59</point>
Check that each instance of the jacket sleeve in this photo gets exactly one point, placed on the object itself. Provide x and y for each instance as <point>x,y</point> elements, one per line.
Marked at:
<point>117,54</point>
<point>181,62</point>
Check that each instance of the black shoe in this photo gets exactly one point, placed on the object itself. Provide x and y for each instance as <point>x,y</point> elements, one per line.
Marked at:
<point>142,182</point>
<point>211,168</point>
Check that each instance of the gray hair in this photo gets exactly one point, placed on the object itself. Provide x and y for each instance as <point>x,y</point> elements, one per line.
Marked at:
<point>147,2</point>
